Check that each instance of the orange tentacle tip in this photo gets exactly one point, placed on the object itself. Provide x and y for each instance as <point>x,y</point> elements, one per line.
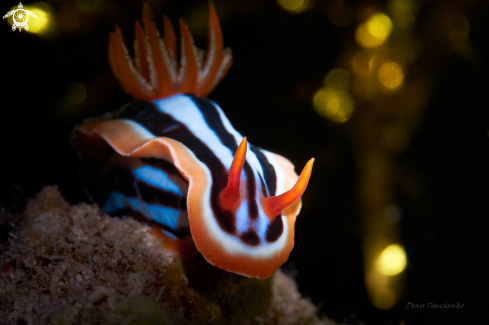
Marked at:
<point>230,198</point>
<point>156,60</point>
<point>274,205</point>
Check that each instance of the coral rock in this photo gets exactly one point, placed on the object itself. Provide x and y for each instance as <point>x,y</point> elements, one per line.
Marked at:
<point>75,265</point>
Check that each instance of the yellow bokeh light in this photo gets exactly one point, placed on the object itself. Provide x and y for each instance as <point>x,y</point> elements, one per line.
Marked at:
<point>403,12</point>
<point>76,93</point>
<point>294,6</point>
<point>374,31</point>
<point>338,79</point>
<point>364,63</point>
<point>392,260</point>
<point>336,105</point>
<point>390,75</point>
<point>39,25</point>
<point>379,25</point>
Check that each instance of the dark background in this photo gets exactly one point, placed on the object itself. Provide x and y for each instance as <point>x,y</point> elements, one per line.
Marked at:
<point>280,60</point>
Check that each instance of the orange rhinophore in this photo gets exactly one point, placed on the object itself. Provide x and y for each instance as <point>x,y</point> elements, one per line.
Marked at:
<point>229,197</point>
<point>274,205</point>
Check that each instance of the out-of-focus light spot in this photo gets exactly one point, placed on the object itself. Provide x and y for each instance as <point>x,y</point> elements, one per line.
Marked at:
<point>403,12</point>
<point>294,6</point>
<point>336,105</point>
<point>374,31</point>
<point>390,75</point>
<point>75,93</point>
<point>384,299</point>
<point>392,260</point>
<point>338,79</point>
<point>333,100</point>
<point>364,63</point>
<point>40,24</point>
<point>87,5</point>
<point>380,26</point>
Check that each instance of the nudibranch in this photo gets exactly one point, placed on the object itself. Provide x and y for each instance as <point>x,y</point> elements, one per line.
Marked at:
<point>173,156</point>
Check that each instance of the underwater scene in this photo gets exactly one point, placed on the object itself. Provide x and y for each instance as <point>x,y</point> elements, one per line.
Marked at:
<point>244,162</point>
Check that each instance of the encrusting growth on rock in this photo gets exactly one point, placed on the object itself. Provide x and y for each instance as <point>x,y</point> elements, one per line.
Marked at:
<point>74,265</point>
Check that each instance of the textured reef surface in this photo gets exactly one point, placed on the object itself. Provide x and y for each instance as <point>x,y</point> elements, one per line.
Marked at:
<point>68,264</point>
